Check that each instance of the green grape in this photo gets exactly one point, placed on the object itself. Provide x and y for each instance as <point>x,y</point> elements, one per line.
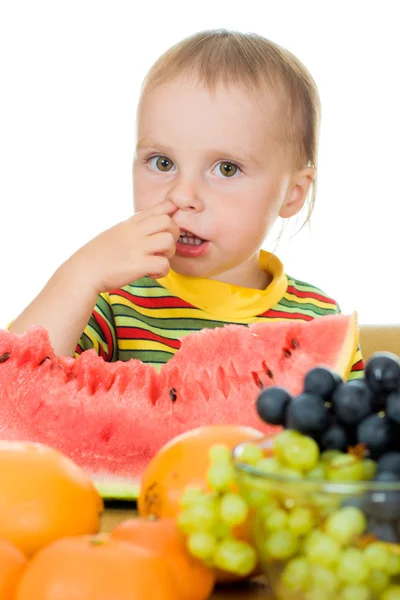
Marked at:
<point>201,545</point>
<point>221,530</point>
<point>204,515</point>
<point>275,520</point>
<point>220,453</point>
<point>345,467</point>
<point>352,567</point>
<point>189,496</point>
<point>316,594</point>
<point>328,455</point>
<point>378,581</point>
<point>391,593</point>
<point>254,496</point>
<point>369,467</point>
<point>323,579</point>
<point>221,476</point>
<point>377,556</point>
<point>269,505</point>
<point>285,437</point>
<point>300,520</point>
<point>233,509</point>
<point>281,544</point>
<point>185,522</point>
<point>268,465</point>
<point>346,524</point>
<point>322,549</point>
<point>235,556</point>
<point>301,454</point>
<point>393,567</point>
<point>251,454</point>
<point>290,473</point>
<point>318,473</point>
<point>355,592</point>
<point>296,574</point>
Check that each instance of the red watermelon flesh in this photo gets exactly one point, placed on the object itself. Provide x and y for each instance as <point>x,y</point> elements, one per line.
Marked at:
<point>111,418</point>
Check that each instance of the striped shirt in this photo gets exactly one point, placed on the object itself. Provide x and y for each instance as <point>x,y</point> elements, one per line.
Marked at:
<point>146,319</point>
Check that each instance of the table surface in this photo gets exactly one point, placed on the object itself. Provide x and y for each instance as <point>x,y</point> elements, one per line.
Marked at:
<point>254,590</point>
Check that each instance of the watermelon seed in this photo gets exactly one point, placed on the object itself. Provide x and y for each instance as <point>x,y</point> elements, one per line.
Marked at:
<point>5,357</point>
<point>295,344</point>
<point>257,380</point>
<point>267,370</point>
<point>172,394</point>
<point>287,352</point>
<point>42,361</point>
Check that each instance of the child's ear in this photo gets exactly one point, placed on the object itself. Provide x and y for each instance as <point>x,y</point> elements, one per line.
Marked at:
<point>297,192</point>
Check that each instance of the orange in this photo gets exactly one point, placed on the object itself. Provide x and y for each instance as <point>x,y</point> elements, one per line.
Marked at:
<point>96,568</point>
<point>195,580</point>
<point>183,462</point>
<point>12,563</point>
<point>44,496</point>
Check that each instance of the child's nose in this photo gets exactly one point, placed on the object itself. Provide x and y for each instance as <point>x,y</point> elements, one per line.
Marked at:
<point>185,194</point>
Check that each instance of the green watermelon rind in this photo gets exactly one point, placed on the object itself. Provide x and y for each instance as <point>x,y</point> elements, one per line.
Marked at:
<point>111,488</point>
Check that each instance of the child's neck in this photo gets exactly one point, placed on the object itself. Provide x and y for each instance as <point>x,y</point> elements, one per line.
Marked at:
<point>248,274</point>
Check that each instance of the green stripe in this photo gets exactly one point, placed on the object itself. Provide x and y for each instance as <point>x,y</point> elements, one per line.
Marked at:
<point>147,292</point>
<point>148,356</point>
<point>145,282</point>
<point>180,323</point>
<point>302,286</point>
<point>308,309</point>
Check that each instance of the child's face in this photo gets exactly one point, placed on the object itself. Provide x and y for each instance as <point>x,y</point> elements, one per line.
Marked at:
<point>218,157</point>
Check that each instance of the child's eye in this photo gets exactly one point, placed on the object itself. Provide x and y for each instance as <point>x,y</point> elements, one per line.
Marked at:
<point>161,163</point>
<point>226,169</point>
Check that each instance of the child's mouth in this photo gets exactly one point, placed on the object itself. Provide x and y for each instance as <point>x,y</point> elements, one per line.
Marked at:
<point>190,245</point>
<point>186,237</point>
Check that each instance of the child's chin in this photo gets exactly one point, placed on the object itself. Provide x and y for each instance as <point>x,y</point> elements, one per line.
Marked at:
<point>190,267</point>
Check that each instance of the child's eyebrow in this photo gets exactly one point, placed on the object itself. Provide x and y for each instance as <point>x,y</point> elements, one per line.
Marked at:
<point>239,156</point>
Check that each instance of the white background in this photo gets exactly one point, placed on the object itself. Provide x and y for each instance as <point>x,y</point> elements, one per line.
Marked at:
<point>70,74</point>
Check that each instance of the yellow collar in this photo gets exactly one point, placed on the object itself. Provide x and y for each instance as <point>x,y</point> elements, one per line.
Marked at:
<point>229,301</point>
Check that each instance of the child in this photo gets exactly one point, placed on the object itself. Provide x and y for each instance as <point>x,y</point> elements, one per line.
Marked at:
<point>227,142</point>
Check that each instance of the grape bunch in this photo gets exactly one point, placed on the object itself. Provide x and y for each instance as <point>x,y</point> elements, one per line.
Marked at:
<point>210,519</point>
<point>338,414</point>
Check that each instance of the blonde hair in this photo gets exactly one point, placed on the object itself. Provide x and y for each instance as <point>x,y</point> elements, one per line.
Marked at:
<point>251,61</point>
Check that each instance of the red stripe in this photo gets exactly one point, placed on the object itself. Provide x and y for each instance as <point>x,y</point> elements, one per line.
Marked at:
<point>78,349</point>
<point>107,334</point>
<point>299,294</point>
<point>136,333</point>
<point>285,315</point>
<point>168,302</point>
<point>359,366</point>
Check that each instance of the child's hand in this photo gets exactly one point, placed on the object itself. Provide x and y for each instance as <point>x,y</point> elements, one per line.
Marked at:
<point>141,245</point>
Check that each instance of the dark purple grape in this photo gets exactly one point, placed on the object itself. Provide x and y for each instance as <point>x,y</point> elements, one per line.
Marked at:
<point>382,372</point>
<point>393,407</point>
<point>272,404</point>
<point>385,531</point>
<point>334,438</point>
<point>308,414</point>
<point>352,402</point>
<point>375,432</point>
<point>321,381</point>
<point>389,462</point>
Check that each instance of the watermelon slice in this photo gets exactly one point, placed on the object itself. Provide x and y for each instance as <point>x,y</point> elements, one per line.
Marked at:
<point>111,418</point>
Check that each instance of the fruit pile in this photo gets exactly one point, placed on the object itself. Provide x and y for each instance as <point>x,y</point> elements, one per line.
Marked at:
<point>340,414</point>
<point>50,547</point>
<point>320,501</point>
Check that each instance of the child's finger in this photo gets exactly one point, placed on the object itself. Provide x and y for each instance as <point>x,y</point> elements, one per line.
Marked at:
<point>163,208</point>
<point>162,243</point>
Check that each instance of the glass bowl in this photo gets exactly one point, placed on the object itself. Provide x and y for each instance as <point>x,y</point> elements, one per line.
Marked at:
<point>323,540</point>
